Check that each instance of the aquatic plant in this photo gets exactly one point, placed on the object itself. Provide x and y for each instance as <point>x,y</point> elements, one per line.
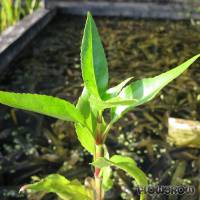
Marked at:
<point>88,117</point>
<point>31,5</point>
<point>11,11</point>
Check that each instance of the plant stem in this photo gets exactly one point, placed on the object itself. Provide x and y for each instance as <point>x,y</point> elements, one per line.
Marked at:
<point>98,179</point>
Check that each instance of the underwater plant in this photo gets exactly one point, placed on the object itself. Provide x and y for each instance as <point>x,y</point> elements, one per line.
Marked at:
<point>88,116</point>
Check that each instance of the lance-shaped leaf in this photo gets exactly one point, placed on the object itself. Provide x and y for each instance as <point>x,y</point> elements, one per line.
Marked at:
<point>65,189</point>
<point>85,137</point>
<point>43,104</point>
<point>146,89</point>
<point>89,113</point>
<point>93,60</point>
<point>128,165</point>
<point>86,133</point>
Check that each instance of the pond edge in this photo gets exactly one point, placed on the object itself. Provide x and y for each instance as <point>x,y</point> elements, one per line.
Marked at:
<point>147,10</point>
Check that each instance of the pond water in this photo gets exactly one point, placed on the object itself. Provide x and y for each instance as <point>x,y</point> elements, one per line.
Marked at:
<point>32,144</point>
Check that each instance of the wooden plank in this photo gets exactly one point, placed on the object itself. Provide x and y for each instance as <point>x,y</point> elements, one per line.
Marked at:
<point>173,11</point>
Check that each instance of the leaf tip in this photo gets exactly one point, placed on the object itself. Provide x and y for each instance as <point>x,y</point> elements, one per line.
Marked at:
<point>89,15</point>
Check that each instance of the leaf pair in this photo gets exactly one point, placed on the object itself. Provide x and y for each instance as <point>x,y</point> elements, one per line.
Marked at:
<point>146,89</point>
<point>128,165</point>
<point>73,190</point>
<point>65,189</point>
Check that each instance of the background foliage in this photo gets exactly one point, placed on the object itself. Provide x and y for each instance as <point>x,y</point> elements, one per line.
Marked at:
<point>11,11</point>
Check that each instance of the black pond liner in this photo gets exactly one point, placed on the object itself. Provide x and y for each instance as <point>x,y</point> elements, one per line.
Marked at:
<point>32,144</point>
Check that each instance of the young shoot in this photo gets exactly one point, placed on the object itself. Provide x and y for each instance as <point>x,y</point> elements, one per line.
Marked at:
<point>88,118</point>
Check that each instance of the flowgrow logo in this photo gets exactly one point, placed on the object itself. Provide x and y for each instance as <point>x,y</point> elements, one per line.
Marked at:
<point>167,189</point>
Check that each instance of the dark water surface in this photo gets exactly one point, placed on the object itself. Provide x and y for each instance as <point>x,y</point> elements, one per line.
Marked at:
<point>31,144</point>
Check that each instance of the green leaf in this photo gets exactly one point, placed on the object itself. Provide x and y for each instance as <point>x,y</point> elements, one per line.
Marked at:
<point>93,60</point>
<point>85,137</point>
<point>107,182</point>
<point>43,104</point>
<point>128,165</point>
<point>65,189</point>
<point>17,9</point>
<point>89,113</point>
<point>7,7</point>
<point>146,89</point>
<point>86,133</point>
<point>106,173</point>
<point>113,102</point>
<point>118,101</point>
<point>114,91</point>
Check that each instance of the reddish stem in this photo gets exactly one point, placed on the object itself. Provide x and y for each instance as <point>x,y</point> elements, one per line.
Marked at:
<point>98,180</point>
<point>96,173</point>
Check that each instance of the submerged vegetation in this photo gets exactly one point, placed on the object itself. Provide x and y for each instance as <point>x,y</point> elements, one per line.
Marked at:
<point>11,11</point>
<point>88,115</point>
